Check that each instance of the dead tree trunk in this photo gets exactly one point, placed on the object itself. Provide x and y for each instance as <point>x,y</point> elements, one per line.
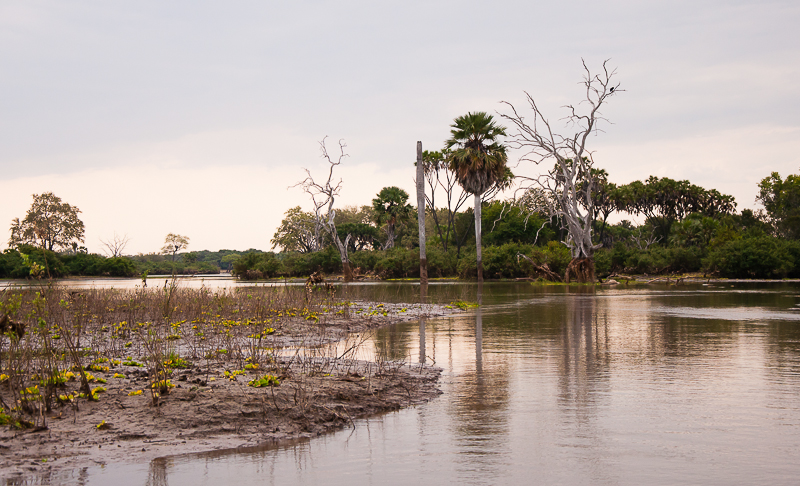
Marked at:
<point>423,257</point>
<point>323,197</point>
<point>582,269</point>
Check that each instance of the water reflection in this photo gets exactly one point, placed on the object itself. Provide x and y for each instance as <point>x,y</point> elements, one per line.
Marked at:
<point>566,386</point>
<point>581,370</point>
<point>422,356</point>
<point>157,475</point>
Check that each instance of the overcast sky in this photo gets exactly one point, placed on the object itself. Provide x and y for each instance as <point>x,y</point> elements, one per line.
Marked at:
<point>196,117</point>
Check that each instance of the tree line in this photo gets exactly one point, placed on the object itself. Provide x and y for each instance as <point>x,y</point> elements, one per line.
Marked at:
<point>686,228</point>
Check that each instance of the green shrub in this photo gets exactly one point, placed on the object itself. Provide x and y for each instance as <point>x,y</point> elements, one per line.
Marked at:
<point>365,260</point>
<point>762,257</point>
<point>501,261</point>
<point>398,263</point>
<point>254,265</point>
<point>12,265</point>
<point>83,264</point>
<point>441,263</point>
<point>514,226</point>
<point>602,262</point>
<point>49,261</point>
<point>295,264</point>
<point>119,267</point>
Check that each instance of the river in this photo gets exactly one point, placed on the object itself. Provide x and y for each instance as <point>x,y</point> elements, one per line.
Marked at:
<point>695,384</point>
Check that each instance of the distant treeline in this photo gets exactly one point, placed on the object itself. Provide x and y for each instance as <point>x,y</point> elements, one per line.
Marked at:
<point>18,262</point>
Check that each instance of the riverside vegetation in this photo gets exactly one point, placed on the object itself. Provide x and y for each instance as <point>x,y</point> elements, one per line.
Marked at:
<point>744,245</point>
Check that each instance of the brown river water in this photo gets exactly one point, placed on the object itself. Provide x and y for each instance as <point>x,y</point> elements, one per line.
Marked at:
<point>696,384</point>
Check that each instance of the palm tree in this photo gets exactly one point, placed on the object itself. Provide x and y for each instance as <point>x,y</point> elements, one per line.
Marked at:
<point>478,160</point>
<point>391,207</point>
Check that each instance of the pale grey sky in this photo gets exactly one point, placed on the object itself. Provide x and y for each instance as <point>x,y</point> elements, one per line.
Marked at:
<point>195,117</point>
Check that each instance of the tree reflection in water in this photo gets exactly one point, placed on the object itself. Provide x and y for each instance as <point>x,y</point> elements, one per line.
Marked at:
<point>157,474</point>
<point>480,410</point>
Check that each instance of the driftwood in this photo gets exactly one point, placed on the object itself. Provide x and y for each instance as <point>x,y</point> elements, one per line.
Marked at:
<point>317,278</point>
<point>7,324</point>
<point>543,269</point>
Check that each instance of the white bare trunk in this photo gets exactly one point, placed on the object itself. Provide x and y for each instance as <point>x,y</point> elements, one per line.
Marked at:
<point>423,256</point>
<point>478,236</point>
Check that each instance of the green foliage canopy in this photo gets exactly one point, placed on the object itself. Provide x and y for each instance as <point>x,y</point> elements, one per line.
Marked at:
<point>296,232</point>
<point>476,155</point>
<point>781,199</point>
<point>391,207</point>
<point>50,223</point>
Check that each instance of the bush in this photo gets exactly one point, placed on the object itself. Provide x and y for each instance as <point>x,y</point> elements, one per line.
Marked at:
<point>515,225</point>
<point>83,264</point>
<point>441,263</point>
<point>398,263</point>
<point>602,262</point>
<point>762,257</point>
<point>295,264</point>
<point>179,268</point>
<point>12,265</point>
<point>119,267</point>
<point>654,260</point>
<point>254,265</point>
<point>97,265</point>
<point>365,260</point>
<point>501,261</point>
<point>48,260</point>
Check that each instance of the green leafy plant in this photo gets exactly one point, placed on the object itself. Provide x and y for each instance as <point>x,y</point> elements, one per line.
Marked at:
<point>266,380</point>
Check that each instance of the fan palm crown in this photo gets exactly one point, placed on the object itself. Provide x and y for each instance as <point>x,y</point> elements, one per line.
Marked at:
<point>477,158</point>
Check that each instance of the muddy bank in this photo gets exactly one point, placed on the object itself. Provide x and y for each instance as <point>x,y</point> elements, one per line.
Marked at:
<point>207,410</point>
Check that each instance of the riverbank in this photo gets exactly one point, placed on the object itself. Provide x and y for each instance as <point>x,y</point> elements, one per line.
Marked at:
<point>313,384</point>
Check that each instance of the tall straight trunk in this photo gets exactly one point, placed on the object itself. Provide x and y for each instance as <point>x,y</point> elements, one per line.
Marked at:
<point>478,236</point>
<point>423,256</point>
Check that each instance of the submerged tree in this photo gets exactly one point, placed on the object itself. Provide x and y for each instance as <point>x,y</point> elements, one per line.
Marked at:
<point>50,224</point>
<point>478,160</point>
<point>323,197</point>
<point>571,182</point>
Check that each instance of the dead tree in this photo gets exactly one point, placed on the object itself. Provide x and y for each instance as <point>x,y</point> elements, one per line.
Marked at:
<point>323,197</point>
<point>423,256</point>
<point>570,182</point>
<point>116,245</point>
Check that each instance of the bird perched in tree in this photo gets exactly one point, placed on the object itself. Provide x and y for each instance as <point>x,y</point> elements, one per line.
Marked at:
<point>612,89</point>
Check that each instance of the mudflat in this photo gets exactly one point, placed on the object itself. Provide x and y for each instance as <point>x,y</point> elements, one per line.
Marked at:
<point>301,379</point>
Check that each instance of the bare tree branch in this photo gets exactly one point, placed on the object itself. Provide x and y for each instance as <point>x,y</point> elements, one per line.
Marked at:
<point>116,245</point>
<point>569,184</point>
<point>323,197</point>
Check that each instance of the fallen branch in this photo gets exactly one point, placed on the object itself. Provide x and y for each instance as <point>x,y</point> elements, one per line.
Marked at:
<point>542,269</point>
